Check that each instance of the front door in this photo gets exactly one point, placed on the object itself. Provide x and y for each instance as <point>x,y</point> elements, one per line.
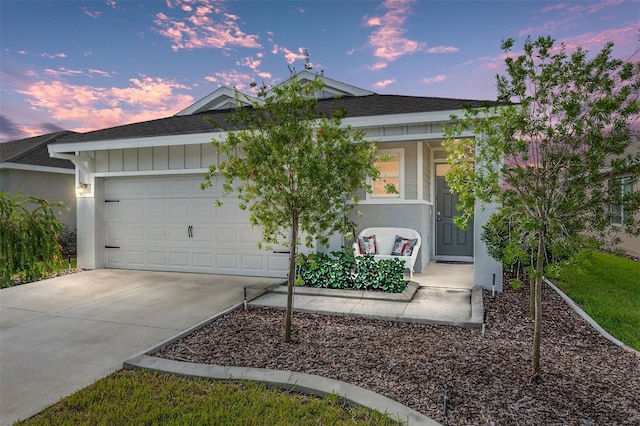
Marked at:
<point>450,240</point>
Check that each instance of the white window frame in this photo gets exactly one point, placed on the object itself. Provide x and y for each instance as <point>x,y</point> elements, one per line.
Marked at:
<point>401,182</point>
<point>626,186</point>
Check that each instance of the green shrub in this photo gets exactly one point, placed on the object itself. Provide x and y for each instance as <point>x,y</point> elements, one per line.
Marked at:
<point>516,283</point>
<point>381,275</point>
<point>342,270</point>
<point>29,232</point>
<point>69,241</point>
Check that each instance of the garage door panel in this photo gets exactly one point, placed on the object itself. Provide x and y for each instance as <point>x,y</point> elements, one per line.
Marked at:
<point>203,260</point>
<point>253,262</point>
<point>278,262</point>
<point>154,209</point>
<point>226,235</point>
<point>156,234</point>
<point>179,259</point>
<point>119,233</point>
<point>227,261</point>
<point>157,258</point>
<point>170,224</point>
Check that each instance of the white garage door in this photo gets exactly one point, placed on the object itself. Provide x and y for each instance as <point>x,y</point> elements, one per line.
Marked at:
<point>170,224</point>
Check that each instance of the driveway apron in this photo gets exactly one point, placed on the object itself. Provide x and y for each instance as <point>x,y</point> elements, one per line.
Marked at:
<point>60,335</point>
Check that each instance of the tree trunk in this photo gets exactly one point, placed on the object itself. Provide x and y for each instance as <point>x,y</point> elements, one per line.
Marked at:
<point>292,276</point>
<point>532,295</point>
<point>537,324</point>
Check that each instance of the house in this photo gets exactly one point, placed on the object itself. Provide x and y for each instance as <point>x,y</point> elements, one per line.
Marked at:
<point>25,166</point>
<point>630,244</point>
<point>140,205</point>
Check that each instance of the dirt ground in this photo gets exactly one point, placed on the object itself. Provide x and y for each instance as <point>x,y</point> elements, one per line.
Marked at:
<point>586,379</point>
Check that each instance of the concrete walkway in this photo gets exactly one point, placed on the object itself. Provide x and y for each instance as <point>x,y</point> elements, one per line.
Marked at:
<point>429,305</point>
<point>62,334</point>
<point>445,296</point>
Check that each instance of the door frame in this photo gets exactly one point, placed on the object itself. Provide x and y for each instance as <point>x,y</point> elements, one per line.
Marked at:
<point>434,240</point>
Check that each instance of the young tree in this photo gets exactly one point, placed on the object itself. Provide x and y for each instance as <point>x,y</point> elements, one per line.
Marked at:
<point>563,122</point>
<point>294,168</point>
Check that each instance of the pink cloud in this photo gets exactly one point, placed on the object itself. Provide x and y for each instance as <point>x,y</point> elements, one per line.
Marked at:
<point>377,66</point>
<point>240,81</point>
<point>249,62</point>
<point>388,39</point>
<point>289,55</point>
<point>206,27</point>
<point>437,79</point>
<point>384,83</point>
<point>442,49</point>
<point>84,108</point>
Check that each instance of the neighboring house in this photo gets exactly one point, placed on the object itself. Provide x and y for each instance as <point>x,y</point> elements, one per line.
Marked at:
<point>627,184</point>
<point>142,206</point>
<point>25,166</point>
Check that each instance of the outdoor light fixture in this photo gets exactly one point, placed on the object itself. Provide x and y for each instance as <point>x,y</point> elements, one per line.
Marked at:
<point>82,188</point>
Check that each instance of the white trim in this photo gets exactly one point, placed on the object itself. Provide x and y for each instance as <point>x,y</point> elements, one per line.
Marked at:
<point>420,165</point>
<point>172,172</point>
<point>388,201</point>
<point>376,121</point>
<point>411,137</point>
<point>401,119</point>
<point>143,142</point>
<point>34,168</point>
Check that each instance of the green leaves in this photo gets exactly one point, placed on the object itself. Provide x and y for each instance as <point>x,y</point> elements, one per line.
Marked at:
<point>288,158</point>
<point>29,233</point>
<point>341,270</point>
<point>546,154</point>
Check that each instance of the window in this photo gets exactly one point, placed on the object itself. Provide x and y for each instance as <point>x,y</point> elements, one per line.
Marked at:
<point>390,164</point>
<point>624,186</point>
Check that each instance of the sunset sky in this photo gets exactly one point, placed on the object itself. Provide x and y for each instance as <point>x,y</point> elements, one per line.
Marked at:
<point>86,65</point>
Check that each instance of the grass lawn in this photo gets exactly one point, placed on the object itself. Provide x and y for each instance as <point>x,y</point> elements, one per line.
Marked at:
<point>139,397</point>
<point>607,287</point>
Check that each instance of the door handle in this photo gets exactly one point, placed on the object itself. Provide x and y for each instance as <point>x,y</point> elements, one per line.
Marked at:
<point>438,216</point>
<point>190,231</point>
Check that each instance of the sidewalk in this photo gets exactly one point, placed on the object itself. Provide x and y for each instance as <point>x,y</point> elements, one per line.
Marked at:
<point>444,295</point>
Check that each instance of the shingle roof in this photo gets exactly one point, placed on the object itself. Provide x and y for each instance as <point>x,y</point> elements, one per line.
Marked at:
<point>355,106</point>
<point>33,151</point>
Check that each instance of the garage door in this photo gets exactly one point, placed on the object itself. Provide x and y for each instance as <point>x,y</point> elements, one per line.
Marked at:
<point>170,224</point>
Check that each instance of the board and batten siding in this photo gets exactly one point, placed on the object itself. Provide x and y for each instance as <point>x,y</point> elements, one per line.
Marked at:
<point>426,172</point>
<point>179,157</point>
<point>413,129</point>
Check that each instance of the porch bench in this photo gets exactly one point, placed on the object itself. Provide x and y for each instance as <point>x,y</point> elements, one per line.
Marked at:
<point>385,240</point>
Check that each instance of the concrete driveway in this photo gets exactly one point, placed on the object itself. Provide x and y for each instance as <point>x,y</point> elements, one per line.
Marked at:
<point>60,335</point>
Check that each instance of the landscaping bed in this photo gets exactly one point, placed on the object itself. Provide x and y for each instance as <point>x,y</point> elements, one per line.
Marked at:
<point>586,379</point>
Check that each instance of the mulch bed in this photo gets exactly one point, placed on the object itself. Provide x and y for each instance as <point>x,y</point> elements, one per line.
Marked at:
<point>586,379</point>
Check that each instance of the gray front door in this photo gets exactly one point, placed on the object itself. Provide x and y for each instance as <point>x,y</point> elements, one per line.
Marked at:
<point>450,240</point>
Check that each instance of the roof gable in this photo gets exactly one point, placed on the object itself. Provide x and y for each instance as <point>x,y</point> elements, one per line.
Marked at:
<point>224,98</point>
<point>221,99</point>
<point>332,88</point>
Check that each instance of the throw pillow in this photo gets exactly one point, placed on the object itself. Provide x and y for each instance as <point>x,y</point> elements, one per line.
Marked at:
<point>368,245</point>
<point>403,246</point>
